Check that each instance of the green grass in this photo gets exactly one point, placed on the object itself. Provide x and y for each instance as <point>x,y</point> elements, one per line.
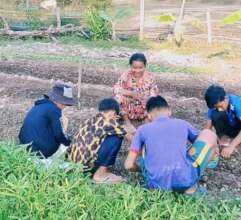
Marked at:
<point>132,43</point>
<point>155,68</point>
<point>28,191</point>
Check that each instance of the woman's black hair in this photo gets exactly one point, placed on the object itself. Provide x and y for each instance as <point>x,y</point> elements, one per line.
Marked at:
<point>156,102</point>
<point>214,95</point>
<point>138,57</point>
<point>109,104</point>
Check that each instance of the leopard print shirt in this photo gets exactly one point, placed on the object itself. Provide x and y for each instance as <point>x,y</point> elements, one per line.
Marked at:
<point>89,138</point>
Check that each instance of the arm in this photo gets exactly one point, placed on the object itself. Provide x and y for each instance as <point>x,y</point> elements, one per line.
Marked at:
<point>154,91</point>
<point>192,133</point>
<point>130,163</point>
<point>120,88</point>
<point>227,151</point>
<point>209,117</point>
<point>209,125</point>
<point>134,153</point>
<point>57,129</point>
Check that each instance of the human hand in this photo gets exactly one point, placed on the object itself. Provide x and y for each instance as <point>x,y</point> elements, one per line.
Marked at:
<point>129,137</point>
<point>227,151</point>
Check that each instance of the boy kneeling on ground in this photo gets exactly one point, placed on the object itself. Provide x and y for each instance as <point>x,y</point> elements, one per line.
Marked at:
<point>167,163</point>
<point>224,115</point>
<point>98,142</point>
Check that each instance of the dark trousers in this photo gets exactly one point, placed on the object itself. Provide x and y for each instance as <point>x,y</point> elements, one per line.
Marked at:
<point>108,151</point>
<point>222,126</point>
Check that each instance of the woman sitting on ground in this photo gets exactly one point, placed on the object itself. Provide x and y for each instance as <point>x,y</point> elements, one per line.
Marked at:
<point>134,87</point>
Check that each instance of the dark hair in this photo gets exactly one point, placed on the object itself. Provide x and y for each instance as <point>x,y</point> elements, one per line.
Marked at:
<point>138,57</point>
<point>214,95</point>
<point>156,102</point>
<point>109,104</point>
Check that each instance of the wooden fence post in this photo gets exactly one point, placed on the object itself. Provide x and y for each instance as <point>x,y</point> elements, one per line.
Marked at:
<point>79,84</point>
<point>209,27</point>
<point>142,16</point>
<point>58,17</point>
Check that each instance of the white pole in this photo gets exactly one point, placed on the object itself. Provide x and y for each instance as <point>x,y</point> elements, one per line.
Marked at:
<point>79,84</point>
<point>142,16</point>
<point>27,4</point>
<point>209,27</point>
<point>58,17</point>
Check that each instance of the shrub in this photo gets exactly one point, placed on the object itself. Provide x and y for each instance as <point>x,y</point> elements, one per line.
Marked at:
<point>100,29</point>
<point>28,191</point>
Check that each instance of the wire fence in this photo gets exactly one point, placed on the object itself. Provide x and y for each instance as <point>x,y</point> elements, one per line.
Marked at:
<point>153,29</point>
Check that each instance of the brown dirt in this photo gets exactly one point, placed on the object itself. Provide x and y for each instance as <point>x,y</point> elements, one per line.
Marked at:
<point>22,82</point>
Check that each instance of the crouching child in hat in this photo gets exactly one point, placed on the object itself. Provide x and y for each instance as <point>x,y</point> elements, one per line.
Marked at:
<point>98,142</point>
<point>42,131</point>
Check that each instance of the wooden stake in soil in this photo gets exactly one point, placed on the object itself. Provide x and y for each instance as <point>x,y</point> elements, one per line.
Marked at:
<point>209,27</point>
<point>142,16</point>
<point>79,85</point>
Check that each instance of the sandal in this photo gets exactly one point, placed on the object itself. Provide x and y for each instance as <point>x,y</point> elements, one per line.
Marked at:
<point>109,179</point>
<point>200,191</point>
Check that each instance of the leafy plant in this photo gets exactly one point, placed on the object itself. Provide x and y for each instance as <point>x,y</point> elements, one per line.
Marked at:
<point>99,27</point>
<point>28,191</point>
<point>180,26</point>
<point>166,18</point>
<point>114,19</point>
<point>230,19</point>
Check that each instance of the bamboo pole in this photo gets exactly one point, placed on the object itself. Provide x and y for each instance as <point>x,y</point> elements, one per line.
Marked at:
<point>79,84</point>
<point>142,17</point>
<point>209,27</point>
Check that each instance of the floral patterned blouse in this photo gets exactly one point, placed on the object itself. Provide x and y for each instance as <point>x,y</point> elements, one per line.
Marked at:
<point>146,86</point>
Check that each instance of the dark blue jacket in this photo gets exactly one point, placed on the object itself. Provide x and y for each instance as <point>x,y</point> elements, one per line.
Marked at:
<point>42,128</point>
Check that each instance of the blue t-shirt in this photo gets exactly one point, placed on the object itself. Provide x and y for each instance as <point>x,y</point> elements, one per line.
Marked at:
<point>166,162</point>
<point>233,112</point>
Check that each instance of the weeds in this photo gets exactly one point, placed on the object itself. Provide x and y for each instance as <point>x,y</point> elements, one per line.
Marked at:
<point>27,191</point>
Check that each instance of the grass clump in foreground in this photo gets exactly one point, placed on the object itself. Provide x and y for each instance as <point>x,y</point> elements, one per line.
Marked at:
<point>28,191</point>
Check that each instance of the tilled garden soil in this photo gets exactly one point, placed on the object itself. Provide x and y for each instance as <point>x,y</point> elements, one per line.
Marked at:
<point>22,82</point>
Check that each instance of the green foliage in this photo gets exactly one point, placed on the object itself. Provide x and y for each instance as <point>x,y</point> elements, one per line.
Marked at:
<point>33,22</point>
<point>28,191</point>
<point>166,18</point>
<point>230,19</point>
<point>74,21</point>
<point>1,24</point>
<point>64,2</point>
<point>100,29</point>
<point>97,4</point>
